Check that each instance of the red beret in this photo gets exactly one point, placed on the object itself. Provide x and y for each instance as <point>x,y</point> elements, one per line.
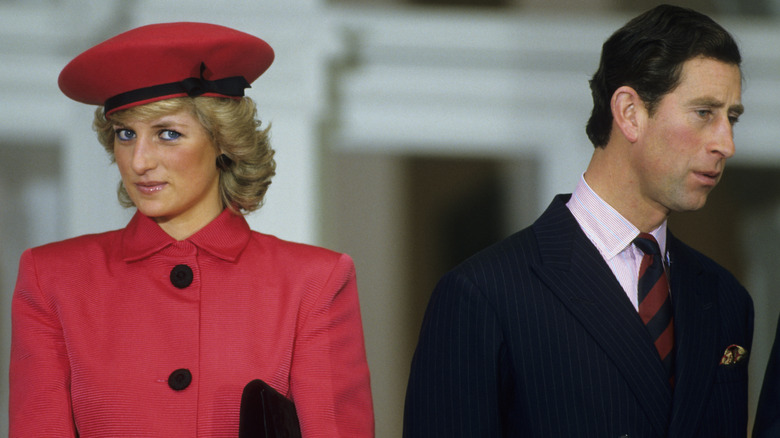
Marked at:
<point>161,61</point>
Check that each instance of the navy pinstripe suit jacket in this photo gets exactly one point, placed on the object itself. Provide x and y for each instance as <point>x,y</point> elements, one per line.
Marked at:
<point>767,424</point>
<point>534,337</point>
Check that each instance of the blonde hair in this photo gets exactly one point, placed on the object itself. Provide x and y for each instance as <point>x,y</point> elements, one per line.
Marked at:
<point>234,129</point>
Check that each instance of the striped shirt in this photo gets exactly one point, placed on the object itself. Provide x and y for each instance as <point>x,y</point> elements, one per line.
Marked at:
<point>612,235</point>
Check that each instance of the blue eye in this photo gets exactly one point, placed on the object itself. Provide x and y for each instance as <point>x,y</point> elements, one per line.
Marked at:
<point>169,135</point>
<point>124,134</point>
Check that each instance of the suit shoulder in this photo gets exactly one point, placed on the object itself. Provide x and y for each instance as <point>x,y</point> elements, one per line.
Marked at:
<point>686,254</point>
<point>520,245</point>
<point>506,258</point>
<point>682,253</point>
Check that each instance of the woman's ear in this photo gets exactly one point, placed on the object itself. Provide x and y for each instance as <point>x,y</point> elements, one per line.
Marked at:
<point>223,162</point>
<point>627,112</point>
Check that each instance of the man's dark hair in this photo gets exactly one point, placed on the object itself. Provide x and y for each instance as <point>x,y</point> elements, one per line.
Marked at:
<point>647,54</point>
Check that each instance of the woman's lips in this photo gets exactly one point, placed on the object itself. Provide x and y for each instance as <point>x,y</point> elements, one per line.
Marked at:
<point>148,188</point>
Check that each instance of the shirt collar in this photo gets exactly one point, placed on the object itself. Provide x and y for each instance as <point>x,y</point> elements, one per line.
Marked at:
<point>609,231</point>
<point>224,237</point>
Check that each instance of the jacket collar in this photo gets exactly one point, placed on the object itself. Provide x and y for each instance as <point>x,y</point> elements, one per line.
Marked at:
<point>569,260</point>
<point>574,270</point>
<point>224,237</point>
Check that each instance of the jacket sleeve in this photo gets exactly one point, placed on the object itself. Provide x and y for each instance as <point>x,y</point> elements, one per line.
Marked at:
<point>767,422</point>
<point>459,366</point>
<point>330,382</point>
<point>40,403</point>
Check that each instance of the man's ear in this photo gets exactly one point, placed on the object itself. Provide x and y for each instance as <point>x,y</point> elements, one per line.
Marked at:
<point>627,112</point>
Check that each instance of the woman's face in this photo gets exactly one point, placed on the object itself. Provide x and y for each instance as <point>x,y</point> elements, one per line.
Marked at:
<point>168,169</point>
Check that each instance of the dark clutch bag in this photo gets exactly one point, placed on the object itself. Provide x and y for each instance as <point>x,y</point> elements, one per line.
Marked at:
<point>266,414</point>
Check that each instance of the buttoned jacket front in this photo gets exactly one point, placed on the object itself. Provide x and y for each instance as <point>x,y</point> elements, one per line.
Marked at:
<point>102,323</point>
<point>535,337</point>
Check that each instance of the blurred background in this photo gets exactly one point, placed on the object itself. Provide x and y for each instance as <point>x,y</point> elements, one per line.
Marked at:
<point>409,134</point>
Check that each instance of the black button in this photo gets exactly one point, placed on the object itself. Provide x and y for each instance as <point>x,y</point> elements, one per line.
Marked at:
<point>181,276</point>
<point>180,379</point>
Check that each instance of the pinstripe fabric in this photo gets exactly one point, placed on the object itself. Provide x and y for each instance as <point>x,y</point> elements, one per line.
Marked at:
<point>98,328</point>
<point>534,337</point>
<point>767,423</point>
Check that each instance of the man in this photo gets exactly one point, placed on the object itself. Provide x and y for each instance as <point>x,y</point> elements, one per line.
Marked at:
<point>548,333</point>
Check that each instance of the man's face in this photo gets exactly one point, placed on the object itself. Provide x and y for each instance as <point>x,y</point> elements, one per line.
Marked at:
<point>683,146</point>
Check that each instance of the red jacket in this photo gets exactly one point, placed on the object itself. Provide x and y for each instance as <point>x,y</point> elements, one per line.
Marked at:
<point>100,329</point>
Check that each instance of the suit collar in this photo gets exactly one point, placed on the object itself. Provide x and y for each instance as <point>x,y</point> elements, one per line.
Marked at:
<point>224,237</point>
<point>575,271</point>
<point>569,261</point>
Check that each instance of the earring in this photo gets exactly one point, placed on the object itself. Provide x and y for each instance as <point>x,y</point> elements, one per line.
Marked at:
<point>223,162</point>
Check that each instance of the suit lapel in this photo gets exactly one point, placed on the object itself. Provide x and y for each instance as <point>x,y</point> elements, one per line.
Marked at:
<point>696,326</point>
<point>575,271</point>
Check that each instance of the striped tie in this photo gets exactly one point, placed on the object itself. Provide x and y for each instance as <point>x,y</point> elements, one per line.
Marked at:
<point>655,305</point>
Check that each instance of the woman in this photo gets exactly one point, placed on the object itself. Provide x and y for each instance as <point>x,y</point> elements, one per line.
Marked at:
<point>155,329</point>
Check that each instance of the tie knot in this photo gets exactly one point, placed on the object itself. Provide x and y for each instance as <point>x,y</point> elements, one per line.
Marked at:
<point>647,243</point>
